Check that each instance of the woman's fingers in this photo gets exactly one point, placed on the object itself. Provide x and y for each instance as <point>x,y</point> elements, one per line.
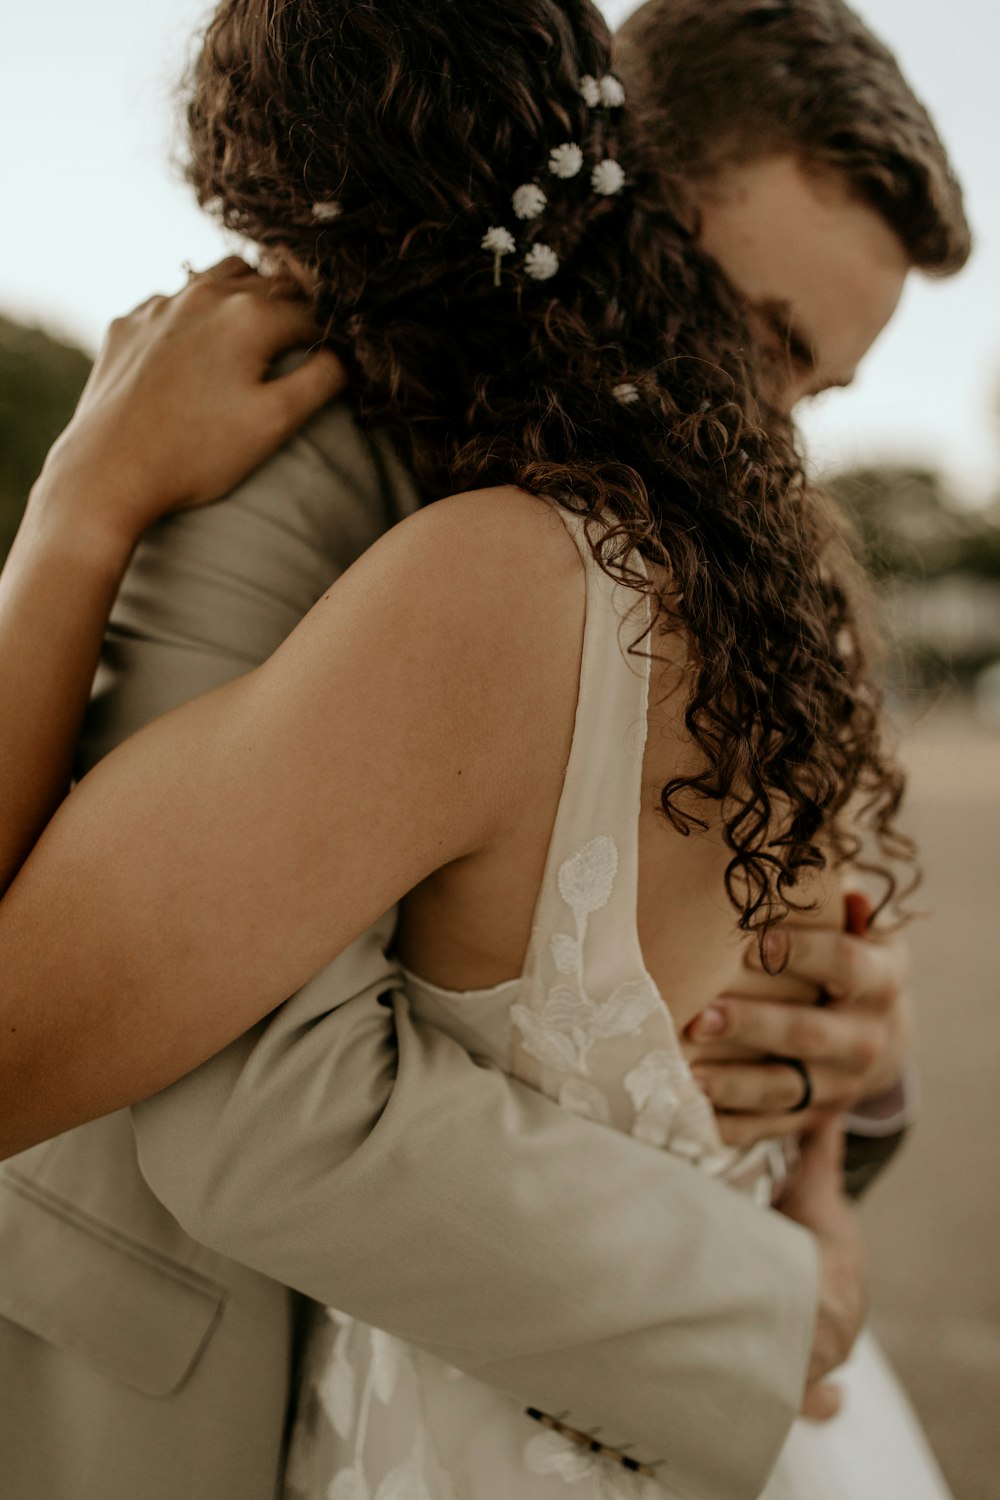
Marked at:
<point>295,396</point>
<point>182,401</point>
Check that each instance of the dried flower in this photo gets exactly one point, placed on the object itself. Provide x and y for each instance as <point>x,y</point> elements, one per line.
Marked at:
<point>611,91</point>
<point>607,178</point>
<point>541,263</point>
<point>501,242</point>
<point>566,160</point>
<point>591,90</point>
<point>529,201</point>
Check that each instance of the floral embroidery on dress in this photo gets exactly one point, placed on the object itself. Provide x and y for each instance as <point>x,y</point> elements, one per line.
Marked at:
<point>586,1024</point>
<point>561,1033</point>
<point>552,1453</point>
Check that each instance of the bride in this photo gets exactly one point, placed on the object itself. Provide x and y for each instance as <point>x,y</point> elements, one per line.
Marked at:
<point>592,718</point>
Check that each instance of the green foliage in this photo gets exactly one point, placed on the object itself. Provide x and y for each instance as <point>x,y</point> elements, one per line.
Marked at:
<point>912,526</point>
<point>40,383</point>
<point>939,566</point>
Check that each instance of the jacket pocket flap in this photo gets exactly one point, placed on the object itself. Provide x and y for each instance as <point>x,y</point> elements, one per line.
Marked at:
<point>84,1286</point>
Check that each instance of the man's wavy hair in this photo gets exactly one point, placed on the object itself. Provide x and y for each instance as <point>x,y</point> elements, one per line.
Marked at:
<point>731,81</point>
<point>419,121</point>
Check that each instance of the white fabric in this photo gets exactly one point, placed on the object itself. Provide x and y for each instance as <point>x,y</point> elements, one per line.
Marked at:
<point>586,1024</point>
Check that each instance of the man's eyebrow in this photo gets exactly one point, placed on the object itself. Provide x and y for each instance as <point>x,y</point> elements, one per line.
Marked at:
<point>796,342</point>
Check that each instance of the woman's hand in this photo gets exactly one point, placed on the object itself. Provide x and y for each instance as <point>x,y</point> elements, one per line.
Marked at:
<point>852,1046</point>
<point>179,406</point>
<point>177,409</point>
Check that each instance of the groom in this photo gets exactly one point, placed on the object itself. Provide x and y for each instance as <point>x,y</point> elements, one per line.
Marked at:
<point>348,1152</point>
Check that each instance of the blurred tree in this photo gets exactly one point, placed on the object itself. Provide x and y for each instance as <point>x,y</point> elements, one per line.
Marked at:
<point>910,524</point>
<point>40,382</point>
<point>939,567</point>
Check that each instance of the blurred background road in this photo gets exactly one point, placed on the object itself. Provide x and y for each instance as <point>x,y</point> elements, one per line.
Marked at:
<point>934,1220</point>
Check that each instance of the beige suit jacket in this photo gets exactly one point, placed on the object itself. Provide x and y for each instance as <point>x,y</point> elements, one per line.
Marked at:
<point>147,1326</point>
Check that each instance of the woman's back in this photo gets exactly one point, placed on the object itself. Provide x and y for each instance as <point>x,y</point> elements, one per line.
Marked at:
<point>468,926</point>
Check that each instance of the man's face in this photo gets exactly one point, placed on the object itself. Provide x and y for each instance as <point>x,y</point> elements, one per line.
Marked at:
<point>821,271</point>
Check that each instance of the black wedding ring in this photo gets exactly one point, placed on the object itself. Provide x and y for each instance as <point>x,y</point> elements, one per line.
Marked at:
<point>807,1088</point>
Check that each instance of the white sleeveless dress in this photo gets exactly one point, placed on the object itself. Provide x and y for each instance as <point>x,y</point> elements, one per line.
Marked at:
<point>585,1023</point>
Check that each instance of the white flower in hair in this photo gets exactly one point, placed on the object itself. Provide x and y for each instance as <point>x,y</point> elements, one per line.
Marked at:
<point>626,393</point>
<point>607,178</point>
<point>565,161</point>
<point>612,91</point>
<point>501,242</point>
<point>326,212</point>
<point>591,90</point>
<point>529,201</point>
<point>541,263</point>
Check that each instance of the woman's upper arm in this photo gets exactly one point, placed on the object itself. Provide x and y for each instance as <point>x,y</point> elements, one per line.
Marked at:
<point>217,860</point>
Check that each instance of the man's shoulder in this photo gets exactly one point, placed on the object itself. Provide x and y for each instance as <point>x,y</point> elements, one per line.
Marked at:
<point>338,480</point>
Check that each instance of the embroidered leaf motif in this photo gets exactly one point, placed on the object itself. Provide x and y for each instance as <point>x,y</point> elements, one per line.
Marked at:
<point>586,880</point>
<point>405,1482</point>
<point>584,1099</point>
<point>651,1087</point>
<point>349,1484</point>
<point>651,1081</point>
<point>624,1011</point>
<point>336,1388</point>
<point>569,1009</point>
<point>551,1453</point>
<point>566,953</point>
<point>386,1356</point>
<point>612,1482</point>
<point>556,1049</point>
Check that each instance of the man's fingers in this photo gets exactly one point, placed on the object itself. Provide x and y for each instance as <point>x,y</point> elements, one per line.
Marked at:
<point>745,1130</point>
<point>772,1086</point>
<point>851,1040</point>
<point>849,970</point>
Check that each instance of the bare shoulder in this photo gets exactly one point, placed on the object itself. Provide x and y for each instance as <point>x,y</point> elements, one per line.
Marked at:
<point>491,572</point>
<point>501,535</point>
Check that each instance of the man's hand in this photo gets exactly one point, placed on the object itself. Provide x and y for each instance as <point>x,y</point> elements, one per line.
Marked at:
<point>840,1006</point>
<point>816,1200</point>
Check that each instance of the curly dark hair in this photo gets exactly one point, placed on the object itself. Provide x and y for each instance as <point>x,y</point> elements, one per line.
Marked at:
<point>410,126</point>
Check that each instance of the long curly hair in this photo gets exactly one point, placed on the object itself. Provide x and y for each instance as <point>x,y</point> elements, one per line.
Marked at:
<point>376,141</point>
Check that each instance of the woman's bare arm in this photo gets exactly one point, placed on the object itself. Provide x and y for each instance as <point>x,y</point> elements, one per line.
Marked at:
<point>176,410</point>
<point>222,856</point>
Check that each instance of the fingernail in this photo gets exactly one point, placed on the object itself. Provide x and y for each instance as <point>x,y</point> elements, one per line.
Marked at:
<point>711,1022</point>
<point>775,950</point>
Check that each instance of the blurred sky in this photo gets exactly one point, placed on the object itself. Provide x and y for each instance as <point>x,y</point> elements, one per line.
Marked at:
<point>96,218</point>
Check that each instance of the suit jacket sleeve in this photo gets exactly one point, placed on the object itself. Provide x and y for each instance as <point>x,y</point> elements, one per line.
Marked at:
<point>366,1160</point>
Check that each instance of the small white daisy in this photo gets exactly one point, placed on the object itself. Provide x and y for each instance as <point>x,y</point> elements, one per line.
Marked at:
<point>529,201</point>
<point>591,90</point>
<point>500,242</point>
<point>611,91</point>
<point>565,161</point>
<point>541,263</point>
<point>607,178</point>
<point>626,393</point>
<point>326,212</point>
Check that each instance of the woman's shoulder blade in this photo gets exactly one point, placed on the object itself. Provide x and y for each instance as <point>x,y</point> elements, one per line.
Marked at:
<point>485,566</point>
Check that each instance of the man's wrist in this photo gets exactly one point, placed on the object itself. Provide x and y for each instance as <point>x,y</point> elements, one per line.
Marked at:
<point>887,1112</point>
